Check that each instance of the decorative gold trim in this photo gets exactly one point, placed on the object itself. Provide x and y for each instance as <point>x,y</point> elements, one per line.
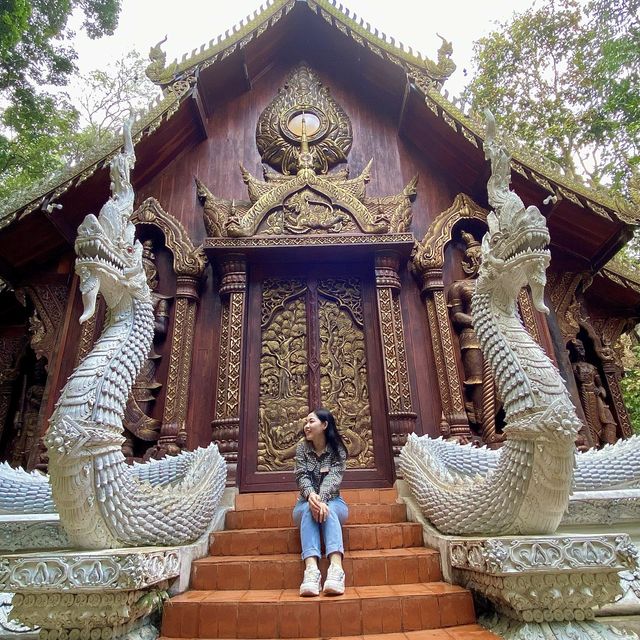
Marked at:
<point>448,351</point>
<point>258,242</point>
<point>525,303</point>
<point>347,23</point>
<point>429,253</point>
<point>188,259</point>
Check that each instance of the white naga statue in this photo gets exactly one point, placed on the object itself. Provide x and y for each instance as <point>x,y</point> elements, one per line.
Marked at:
<point>102,501</point>
<point>524,487</point>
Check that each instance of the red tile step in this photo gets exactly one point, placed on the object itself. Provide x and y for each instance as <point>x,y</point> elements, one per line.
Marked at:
<point>463,632</point>
<point>258,613</point>
<point>284,571</point>
<point>259,518</point>
<point>242,542</point>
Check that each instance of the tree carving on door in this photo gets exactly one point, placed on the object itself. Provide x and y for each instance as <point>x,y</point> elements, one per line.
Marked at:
<point>312,352</point>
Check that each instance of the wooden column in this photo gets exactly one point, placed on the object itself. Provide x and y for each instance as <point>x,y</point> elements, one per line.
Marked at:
<point>173,432</point>
<point>613,374</point>
<point>9,373</point>
<point>226,422</point>
<point>402,417</point>
<point>444,354</point>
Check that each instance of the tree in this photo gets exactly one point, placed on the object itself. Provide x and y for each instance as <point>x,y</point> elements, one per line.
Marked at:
<point>563,79</point>
<point>70,123</point>
<point>34,53</point>
<point>105,97</point>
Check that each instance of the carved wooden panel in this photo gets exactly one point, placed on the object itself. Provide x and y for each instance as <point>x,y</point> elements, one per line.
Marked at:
<point>297,322</point>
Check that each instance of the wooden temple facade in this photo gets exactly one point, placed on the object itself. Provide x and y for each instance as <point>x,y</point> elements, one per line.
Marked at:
<point>311,207</point>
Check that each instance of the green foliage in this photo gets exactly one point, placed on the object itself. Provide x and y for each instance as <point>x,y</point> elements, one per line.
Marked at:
<point>35,52</point>
<point>630,386</point>
<point>63,128</point>
<point>564,79</point>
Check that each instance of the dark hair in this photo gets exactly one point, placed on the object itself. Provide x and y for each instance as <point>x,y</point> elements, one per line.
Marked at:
<point>334,439</point>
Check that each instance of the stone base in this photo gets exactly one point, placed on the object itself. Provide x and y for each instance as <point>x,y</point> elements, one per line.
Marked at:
<point>32,531</point>
<point>516,630</point>
<point>99,595</point>
<point>536,587</point>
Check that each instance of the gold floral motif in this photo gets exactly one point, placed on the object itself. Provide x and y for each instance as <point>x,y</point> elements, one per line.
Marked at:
<point>343,366</point>
<point>329,143</point>
<point>283,373</point>
<point>438,355</point>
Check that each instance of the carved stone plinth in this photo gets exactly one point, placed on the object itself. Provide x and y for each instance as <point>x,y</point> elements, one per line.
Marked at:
<point>536,587</point>
<point>96,595</point>
<point>32,531</point>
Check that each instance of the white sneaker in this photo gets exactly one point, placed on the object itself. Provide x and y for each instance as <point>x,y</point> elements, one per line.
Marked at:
<point>334,584</point>
<point>311,582</point>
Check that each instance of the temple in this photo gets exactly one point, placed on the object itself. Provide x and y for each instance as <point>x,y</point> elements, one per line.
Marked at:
<point>311,209</point>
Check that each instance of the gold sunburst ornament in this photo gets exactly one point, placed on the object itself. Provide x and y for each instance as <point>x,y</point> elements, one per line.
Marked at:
<point>279,131</point>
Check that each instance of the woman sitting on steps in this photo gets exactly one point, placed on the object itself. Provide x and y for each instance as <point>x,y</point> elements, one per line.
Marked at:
<point>321,459</point>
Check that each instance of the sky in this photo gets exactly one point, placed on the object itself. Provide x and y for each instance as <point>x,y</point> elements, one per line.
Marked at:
<point>191,23</point>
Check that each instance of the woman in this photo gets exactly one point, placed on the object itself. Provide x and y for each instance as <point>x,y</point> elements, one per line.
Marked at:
<point>321,459</point>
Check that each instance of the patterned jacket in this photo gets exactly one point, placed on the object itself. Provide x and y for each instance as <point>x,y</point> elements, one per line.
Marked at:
<point>319,473</point>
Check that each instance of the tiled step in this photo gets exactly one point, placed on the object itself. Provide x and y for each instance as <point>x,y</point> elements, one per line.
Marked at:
<point>243,542</point>
<point>283,614</point>
<point>463,632</point>
<point>284,571</point>
<point>282,516</point>
<point>246,501</point>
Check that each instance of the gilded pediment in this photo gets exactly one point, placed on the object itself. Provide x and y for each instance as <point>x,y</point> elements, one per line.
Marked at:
<point>301,134</point>
<point>306,204</point>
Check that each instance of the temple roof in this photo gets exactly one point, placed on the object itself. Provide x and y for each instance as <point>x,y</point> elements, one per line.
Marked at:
<point>413,84</point>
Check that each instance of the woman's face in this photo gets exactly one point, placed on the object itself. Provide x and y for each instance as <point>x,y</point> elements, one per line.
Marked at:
<point>313,426</point>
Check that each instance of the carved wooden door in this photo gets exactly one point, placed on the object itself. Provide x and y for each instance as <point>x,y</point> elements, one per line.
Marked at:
<point>313,341</point>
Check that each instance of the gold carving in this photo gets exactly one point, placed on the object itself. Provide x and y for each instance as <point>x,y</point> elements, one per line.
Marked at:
<point>157,72</point>
<point>304,241</point>
<point>277,134</point>
<point>457,402</point>
<point>283,373</point>
<point>528,316</point>
<point>287,368</point>
<point>343,365</point>
<point>188,260</point>
<point>296,136</point>
<point>429,254</point>
<point>49,302</point>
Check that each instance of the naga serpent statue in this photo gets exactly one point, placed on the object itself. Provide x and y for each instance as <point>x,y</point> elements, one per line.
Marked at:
<point>102,501</point>
<point>524,487</point>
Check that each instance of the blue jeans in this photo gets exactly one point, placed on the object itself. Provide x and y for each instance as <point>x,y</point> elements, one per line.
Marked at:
<point>331,528</point>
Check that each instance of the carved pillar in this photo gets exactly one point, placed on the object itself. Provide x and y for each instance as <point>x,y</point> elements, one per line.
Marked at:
<point>173,433</point>
<point>444,355</point>
<point>396,377</point>
<point>189,263</point>
<point>226,422</point>
<point>613,373</point>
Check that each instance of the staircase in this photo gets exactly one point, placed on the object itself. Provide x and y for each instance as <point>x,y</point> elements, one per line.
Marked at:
<point>248,587</point>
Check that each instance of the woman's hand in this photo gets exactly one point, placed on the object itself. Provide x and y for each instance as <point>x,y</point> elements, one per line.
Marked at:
<point>319,509</point>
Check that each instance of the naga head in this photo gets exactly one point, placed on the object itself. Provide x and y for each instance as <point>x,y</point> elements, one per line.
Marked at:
<point>515,249</point>
<point>109,258</point>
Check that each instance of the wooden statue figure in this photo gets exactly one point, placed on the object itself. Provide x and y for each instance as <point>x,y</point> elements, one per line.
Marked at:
<point>478,383</point>
<point>137,421</point>
<point>593,396</point>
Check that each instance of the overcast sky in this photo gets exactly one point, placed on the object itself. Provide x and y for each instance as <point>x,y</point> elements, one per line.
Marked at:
<point>191,23</point>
